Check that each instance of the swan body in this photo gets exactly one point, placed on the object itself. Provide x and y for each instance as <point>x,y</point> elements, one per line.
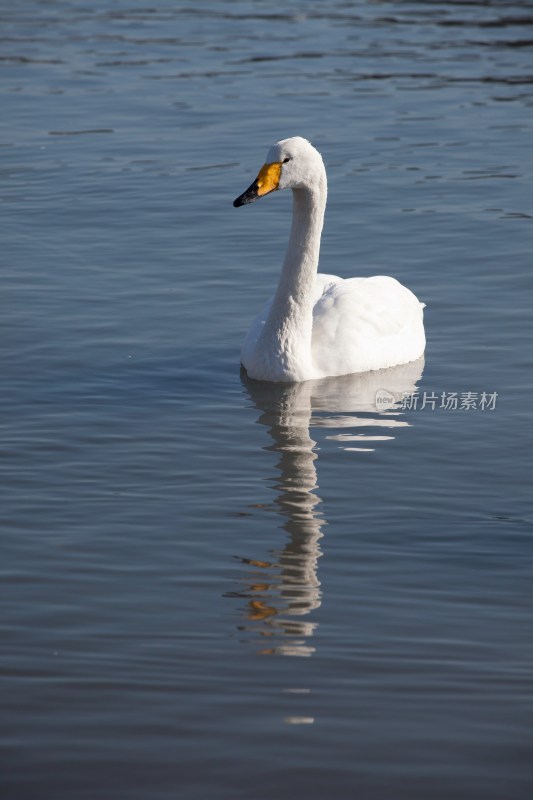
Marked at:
<point>318,325</point>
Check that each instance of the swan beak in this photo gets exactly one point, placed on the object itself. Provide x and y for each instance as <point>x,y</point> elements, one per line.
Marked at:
<point>267,181</point>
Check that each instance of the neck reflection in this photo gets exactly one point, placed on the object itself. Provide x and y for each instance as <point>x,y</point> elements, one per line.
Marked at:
<point>283,592</point>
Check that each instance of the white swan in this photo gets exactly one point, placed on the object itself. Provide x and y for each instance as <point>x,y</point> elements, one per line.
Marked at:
<point>318,326</point>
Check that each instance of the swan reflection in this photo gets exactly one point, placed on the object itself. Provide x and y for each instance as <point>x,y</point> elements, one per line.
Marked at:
<point>282,590</point>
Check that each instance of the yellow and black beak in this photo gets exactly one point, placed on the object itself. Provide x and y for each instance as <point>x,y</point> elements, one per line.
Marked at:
<point>267,181</point>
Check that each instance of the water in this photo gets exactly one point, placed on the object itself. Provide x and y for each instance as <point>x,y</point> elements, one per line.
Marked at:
<point>215,588</point>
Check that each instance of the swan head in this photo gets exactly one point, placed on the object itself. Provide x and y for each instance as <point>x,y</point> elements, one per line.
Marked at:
<point>290,164</point>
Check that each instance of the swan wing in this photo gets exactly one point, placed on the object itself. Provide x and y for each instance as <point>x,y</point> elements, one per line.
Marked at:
<point>361,324</point>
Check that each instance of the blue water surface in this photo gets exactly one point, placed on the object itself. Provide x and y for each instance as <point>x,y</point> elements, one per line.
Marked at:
<point>218,588</point>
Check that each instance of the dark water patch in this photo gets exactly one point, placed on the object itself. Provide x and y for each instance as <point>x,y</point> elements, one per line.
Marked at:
<point>202,167</point>
<point>29,60</point>
<point>143,62</point>
<point>81,133</point>
<point>292,56</point>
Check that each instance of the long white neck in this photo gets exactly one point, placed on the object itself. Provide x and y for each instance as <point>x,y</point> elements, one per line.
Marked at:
<point>288,328</point>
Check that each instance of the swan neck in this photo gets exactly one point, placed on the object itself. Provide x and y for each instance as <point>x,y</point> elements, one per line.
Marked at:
<point>301,259</point>
<point>287,334</point>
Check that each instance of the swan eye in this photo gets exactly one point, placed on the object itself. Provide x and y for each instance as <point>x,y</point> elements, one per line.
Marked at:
<point>286,160</point>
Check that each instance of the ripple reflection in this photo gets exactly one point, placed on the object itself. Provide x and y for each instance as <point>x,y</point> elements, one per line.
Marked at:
<point>283,589</point>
